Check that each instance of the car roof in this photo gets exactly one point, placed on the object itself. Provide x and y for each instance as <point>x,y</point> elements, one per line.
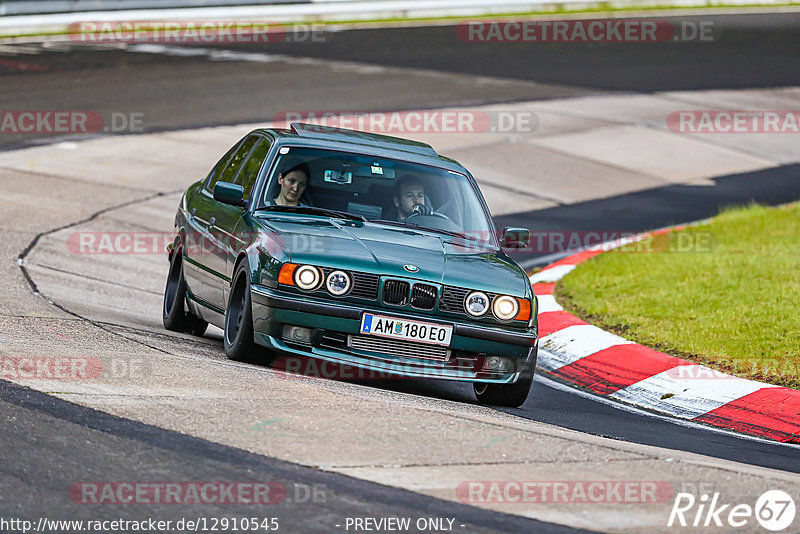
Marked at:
<point>378,145</point>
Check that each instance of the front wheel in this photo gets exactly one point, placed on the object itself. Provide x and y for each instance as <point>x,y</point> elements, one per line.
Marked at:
<point>508,395</point>
<point>238,338</point>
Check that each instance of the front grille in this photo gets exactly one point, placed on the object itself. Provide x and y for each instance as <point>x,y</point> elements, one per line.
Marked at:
<point>423,296</point>
<point>395,292</point>
<point>453,299</point>
<point>399,348</point>
<point>365,286</point>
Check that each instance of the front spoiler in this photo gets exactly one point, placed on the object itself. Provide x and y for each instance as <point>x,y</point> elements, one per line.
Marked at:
<point>275,306</point>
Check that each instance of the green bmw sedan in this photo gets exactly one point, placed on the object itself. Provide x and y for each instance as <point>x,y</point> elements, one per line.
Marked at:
<point>364,250</point>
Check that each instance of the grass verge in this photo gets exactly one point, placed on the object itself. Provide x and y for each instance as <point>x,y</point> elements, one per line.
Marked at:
<point>725,294</point>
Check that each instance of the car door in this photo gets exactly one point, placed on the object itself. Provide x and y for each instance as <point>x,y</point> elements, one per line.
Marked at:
<point>228,231</point>
<point>217,216</point>
<point>202,270</point>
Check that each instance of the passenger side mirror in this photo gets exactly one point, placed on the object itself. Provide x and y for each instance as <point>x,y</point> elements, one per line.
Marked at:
<point>229,194</point>
<point>515,238</point>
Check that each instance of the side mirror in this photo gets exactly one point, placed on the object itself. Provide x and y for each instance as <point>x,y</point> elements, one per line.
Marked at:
<point>229,194</point>
<point>515,238</point>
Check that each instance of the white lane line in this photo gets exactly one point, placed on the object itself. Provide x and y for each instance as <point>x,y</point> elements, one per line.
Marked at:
<point>216,54</point>
<point>13,50</point>
<point>575,342</point>
<point>553,274</point>
<point>547,303</point>
<point>686,396</point>
<point>548,382</point>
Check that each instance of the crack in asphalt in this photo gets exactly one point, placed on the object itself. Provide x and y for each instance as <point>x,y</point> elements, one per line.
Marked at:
<point>330,467</point>
<point>95,215</point>
<point>72,179</point>
<point>117,284</point>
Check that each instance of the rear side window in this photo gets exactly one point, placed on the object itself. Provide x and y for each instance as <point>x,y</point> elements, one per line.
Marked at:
<point>249,173</point>
<point>232,166</point>
<point>215,173</point>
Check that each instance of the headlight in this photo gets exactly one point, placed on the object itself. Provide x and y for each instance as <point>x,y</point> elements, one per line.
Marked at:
<point>307,277</point>
<point>505,308</point>
<point>338,283</point>
<point>476,303</point>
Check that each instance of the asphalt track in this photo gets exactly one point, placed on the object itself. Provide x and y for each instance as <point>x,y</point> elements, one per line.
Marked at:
<point>177,92</point>
<point>34,484</point>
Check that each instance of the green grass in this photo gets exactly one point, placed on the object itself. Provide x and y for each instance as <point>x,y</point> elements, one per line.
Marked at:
<point>725,294</point>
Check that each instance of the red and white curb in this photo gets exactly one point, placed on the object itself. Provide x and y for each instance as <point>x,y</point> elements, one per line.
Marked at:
<point>606,364</point>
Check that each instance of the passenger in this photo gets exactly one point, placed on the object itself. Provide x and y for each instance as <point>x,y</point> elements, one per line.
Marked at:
<point>409,197</point>
<point>293,184</point>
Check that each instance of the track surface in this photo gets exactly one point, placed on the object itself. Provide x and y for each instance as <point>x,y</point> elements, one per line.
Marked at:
<point>125,450</point>
<point>183,92</point>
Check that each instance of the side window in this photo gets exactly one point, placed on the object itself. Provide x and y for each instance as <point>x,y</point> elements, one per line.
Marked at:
<point>213,176</point>
<point>232,165</point>
<point>249,173</point>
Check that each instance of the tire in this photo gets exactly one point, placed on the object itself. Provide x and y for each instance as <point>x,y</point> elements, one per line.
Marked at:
<point>173,312</point>
<point>195,325</point>
<point>238,335</point>
<point>508,395</point>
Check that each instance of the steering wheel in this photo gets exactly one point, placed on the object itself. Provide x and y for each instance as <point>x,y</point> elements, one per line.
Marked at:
<point>422,209</point>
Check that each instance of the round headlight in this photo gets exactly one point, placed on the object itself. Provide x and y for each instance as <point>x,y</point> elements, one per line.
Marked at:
<point>307,277</point>
<point>505,308</point>
<point>476,304</point>
<point>338,283</point>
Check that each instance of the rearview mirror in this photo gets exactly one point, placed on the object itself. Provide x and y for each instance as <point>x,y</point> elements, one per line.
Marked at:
<point>515,238</point>
<point>229,194</point>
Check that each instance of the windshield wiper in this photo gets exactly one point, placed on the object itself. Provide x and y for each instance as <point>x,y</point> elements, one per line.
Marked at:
<point>315,211</point>
<point>426,228</point>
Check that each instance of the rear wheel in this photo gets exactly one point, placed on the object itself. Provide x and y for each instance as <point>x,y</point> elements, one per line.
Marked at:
<point>173,312</point>
<point>239,344</point>
<point>509,395</point>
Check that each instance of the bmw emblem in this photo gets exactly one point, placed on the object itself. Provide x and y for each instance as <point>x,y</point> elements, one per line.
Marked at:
<point>411,268</point>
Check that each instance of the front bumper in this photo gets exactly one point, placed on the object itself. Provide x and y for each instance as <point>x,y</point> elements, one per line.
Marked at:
<point>330,320</point>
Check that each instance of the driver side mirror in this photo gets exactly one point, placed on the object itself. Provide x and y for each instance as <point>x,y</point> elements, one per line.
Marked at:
<point>515,238</point>
<point>229,193</point>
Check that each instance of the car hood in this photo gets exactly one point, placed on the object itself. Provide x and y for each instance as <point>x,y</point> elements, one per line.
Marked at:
<point>370,247</point>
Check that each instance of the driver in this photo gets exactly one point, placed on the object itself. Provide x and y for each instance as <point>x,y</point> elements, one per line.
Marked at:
<point>409,197</point>
<point>293,184</point>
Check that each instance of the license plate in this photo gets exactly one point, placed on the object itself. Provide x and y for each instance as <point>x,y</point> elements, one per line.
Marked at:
<point>419,331</point>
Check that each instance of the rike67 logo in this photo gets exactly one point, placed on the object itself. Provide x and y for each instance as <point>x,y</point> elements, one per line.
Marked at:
<point>774,510</point>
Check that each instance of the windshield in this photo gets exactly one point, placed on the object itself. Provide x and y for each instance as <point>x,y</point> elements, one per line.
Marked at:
<point>378,190</point>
